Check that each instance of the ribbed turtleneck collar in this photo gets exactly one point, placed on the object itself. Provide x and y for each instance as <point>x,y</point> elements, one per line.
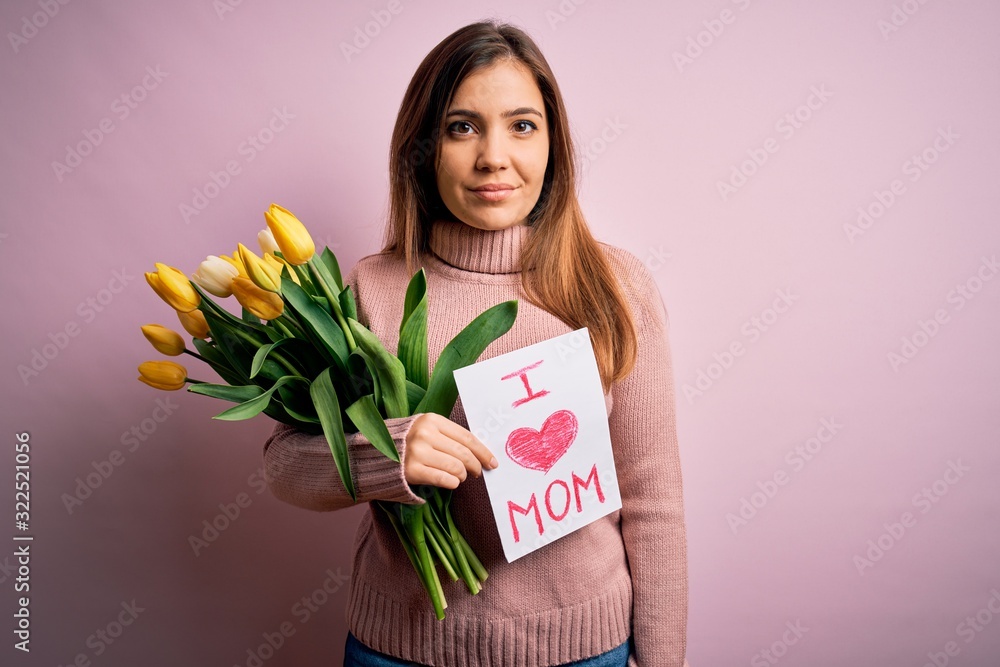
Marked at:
<point>472,249</point>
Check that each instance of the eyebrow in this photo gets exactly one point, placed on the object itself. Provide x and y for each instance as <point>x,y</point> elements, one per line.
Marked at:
<point>520,111</point>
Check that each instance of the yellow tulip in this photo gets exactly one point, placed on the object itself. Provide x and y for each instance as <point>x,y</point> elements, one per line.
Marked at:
<point>290,234</point>
<point>165,375</point>
<point>236,262</point>
<point>277,263</point>
<point>260,272</point>
<point>194,323</point>
<point>265,305</point>
<point>166,341</point>
<point>214,275</point>
<point>173,287</point>
<point>265,239</point>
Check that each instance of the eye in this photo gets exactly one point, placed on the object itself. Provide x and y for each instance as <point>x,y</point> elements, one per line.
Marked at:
<point>529,124</point>
<point>451,128</point>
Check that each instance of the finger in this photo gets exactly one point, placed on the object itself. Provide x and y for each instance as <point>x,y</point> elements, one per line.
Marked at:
<point>465,437</point>
<point>443,443</point>
<point>422,474</point>
<point>432,458</point>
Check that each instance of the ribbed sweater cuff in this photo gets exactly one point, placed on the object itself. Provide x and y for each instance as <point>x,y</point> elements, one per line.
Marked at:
<point>375,475</point>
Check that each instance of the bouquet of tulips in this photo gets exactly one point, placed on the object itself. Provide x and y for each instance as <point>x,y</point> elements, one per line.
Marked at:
<point>298,354</point>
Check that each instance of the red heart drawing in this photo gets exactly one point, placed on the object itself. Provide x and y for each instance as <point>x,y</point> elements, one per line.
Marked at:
<point>539,450</point>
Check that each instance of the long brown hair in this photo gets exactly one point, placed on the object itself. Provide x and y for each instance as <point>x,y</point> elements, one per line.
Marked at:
<point>571,276</point>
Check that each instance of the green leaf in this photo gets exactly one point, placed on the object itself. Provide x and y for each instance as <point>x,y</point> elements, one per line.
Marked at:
<point>366,417</point>
<point>260,357</point>
<point>391,375</point>
<point>361,378</point>
<point>228,344</point>
<point>254,406</point>
<point>319,324</point>
<point>328,408</point>
<point>219,363</point>
<point>464,349</point>
<point>414,393</point>
<point>298,404</point>
<point>237,394</point>
<point>412,347</point>
<point>347,305</point>
<point>259,331</point>
<point>329,261</point>
<point>250,317</point>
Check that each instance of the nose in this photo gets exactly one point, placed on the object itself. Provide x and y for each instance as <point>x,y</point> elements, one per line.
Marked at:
<point>492,151</point>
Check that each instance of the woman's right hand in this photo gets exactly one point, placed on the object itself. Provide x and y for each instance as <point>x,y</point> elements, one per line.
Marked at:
<point>442,453</point>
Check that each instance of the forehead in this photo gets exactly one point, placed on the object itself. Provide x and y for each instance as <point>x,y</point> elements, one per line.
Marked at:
<point>498,87</point>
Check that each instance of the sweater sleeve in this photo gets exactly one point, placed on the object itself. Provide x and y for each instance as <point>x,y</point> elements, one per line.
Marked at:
<point>300,469</point>
<point>644,431</point>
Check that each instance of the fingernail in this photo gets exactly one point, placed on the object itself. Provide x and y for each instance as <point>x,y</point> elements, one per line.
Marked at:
<point>493,462</point>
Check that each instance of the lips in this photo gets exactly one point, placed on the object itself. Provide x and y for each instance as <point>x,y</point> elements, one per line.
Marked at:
<point>493,187</point>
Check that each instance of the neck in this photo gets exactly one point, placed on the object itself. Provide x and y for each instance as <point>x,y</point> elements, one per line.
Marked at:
<point>481,251</point>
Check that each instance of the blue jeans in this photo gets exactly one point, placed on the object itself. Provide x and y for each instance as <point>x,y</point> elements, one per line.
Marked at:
<point>357,654</point>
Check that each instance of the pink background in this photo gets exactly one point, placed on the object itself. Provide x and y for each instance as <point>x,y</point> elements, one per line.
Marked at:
<point>660,138</point>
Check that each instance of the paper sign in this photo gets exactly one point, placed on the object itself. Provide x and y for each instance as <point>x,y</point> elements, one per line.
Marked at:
<point>541,411</point>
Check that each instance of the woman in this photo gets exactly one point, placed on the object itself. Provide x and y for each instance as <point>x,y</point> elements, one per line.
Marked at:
<point>483,198</point>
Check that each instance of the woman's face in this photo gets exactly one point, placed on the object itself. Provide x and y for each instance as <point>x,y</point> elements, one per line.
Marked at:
<point>495,133</point>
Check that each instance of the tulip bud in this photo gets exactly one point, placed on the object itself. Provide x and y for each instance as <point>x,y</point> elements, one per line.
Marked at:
<point>265,239</point>
<point>290,234</point>
<point>214,275</point>
<point>277,264</point>
<point>166,341</point>
<point>236,262</point>
<point>262,303</point>
<point>194,323</point>
<point>173,287</point>
<point>260,272</point>
<point>165,375</point>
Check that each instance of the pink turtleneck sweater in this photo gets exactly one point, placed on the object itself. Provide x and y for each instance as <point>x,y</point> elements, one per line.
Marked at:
<point>579,596</point>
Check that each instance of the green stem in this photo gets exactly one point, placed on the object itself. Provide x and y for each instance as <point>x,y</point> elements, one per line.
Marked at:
<point>439,544</point>
<point>470,579</point>
<point>404,540</point>
<point>195,355</point>
<point>474,561</point>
